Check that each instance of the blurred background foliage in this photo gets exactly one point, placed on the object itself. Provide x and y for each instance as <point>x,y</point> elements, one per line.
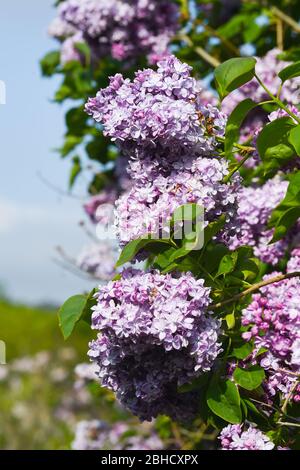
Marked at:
<point>41,402</point>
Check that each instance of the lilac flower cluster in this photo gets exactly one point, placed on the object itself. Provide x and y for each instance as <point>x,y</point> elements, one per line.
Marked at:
<point>155,335</point>
<point>233,437</point>
<point>122,29</point>
<point>159,112</point>
<point>148,207</point>
<point>98,206</point>
<point>98,435</point>
<point>267,69</point>
<point>273,319</point>
<point>255,205</point>
<point>294,261</point>
<point>98,260</point>
<point>170,136</point>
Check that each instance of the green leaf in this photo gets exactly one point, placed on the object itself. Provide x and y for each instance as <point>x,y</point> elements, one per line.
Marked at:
<point>87,310</point>
<point>132,248</point>
<point>186,212</point>
<point>294,139</point>
<point>224,400</point>
<point>49,63</point>
<point>250,378</point>
<point>233,27</point>
<point>84,50</point>
<point>241,352</point>
<point>291,71</point>
<point>70,143</point>
<point>76,120</point>
<point>292,55</point>
<point>70,313</point>
<point>77,307</point>
<point>76,170</point>
<point>213,228</point>
<point>273,141</point>
<point>230,320</point>
<point>287,212</point>
<point>252,29</point>
<point>195,384</point>
<point>285,222</point>
<point>234,123</point>
<point>227,263</point>
<point>234,73</point>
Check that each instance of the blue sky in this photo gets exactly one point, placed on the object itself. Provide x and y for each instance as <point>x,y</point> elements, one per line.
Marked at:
<point>34,219</point>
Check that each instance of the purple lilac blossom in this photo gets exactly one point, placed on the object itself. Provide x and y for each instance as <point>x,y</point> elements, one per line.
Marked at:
<point>159,115</point>
<point>99,435</point>
<point>148,207</point>
<point>60,29</point>
<point>98,260</point>
<point>273,321</point>
<point>69,52</point>
<point>233,437</point>
<point>255,205</point>
<point>294,261</point>
<point>267,68</point>
<point>122,29</point>
<point>97,206</point>
<point>155,335</point>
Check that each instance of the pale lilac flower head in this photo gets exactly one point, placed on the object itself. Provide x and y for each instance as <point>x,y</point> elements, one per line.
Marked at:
<point>99,435</point>
<point>98,260</point>
<point>160,114</point>
<point>273,321</point>
<point>233,437</point>
<point>69,51</point>
<point>155,335</point>
<point>255,205</point>
<point>294,261</point>
<point>98,207</point>
<point>122,29</point>
<point>148,207</point>
<point>60,29</point>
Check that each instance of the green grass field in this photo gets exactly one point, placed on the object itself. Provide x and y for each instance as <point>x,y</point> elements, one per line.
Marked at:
<point>39,405</point>
<point>27,331</point>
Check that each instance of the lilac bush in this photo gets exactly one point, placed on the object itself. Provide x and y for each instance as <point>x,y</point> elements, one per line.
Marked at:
<point>207,334</point>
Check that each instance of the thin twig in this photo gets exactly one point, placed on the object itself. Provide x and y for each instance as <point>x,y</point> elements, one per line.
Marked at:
<point>287,19</point>
<point>230,46</point>
<point>277,100</point>
<point>279,33</point>
<point>236,168</point>
<point>289,396</point>
<point>287,372</point>
<point>200,51</point>
<point>281,423</point>
<point>254,288</point>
